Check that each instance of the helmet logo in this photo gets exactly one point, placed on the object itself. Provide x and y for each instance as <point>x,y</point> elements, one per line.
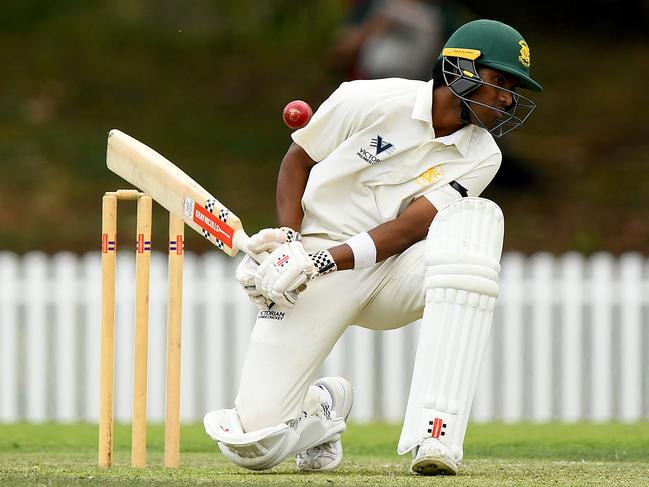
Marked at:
<point>471,54</point>
<point>524,58</point>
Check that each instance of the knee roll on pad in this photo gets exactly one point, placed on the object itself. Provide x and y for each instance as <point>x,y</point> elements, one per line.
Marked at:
<point>464,245</point>
<point>463,250</point>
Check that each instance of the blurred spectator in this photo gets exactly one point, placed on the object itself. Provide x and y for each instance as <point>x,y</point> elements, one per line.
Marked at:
<point>402,38</point>
<point>390,38</point>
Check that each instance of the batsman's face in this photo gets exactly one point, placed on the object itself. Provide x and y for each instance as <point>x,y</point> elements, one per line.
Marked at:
<point>496,93</point>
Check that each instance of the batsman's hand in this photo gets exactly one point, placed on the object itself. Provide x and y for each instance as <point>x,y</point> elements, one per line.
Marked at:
<point>286,269</point>
<point>265,240</point>
<point>245,276</point>
<point>269,239</point>
<point>285,273</point>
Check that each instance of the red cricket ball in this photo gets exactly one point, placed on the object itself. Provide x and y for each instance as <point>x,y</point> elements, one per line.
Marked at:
<point>297,114</point>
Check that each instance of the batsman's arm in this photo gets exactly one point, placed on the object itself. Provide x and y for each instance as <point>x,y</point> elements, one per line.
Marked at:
<point>394,236</point>
<point>389,238</point>
<point>291,182</point>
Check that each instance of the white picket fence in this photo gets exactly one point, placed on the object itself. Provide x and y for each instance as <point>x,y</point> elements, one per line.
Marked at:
<point>570,341</point>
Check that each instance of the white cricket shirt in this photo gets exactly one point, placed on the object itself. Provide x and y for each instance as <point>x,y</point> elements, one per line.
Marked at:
<point>377,151</point>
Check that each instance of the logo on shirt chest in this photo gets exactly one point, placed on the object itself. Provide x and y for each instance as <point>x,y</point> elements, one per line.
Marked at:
<point>429,176</point>
<point>380,146</point>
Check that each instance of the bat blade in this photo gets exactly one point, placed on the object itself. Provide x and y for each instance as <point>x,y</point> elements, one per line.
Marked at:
<point>175,191</point>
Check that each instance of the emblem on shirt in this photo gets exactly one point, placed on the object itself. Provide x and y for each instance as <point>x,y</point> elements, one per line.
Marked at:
<point>429,176</point>
<point>380,145</point>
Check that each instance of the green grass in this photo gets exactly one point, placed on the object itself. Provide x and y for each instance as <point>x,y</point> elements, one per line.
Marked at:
<point>495,454</point>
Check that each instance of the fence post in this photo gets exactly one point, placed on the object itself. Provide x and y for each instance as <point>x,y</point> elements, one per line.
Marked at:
<point>34,298</point>
<point>571,297</point>
<point>362,372</point>
<point>601,364</point>
<point>542,354</point>
<point>8,337</point>
<point>124,332</point>
<point>157,337</point>
<point>512,294</point>
<point>64,292</point>
<point>631,337</point>
<point>394,376</point>
<point>188,408</point>
<point>90,292</point>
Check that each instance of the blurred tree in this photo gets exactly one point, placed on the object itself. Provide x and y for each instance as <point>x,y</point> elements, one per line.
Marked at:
<point>622,19</point>
<point>204,82</point>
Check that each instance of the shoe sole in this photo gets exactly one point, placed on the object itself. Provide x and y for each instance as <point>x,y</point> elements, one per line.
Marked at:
<point>432,465</point>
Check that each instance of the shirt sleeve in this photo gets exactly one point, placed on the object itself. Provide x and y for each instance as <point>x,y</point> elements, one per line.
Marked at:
<point>471,184</point>
<point>335,120</point>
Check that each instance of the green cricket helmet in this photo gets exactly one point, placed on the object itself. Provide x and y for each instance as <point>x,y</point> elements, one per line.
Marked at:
<point>495,45</point>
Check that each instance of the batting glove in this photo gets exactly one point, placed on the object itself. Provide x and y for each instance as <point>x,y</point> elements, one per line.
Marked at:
<point>245,276</point>
<point>269,239</point>
<point>265,240</point>
<point>288,269</point>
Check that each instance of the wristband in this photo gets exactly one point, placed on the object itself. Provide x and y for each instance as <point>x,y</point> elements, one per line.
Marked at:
<point>363,249</point>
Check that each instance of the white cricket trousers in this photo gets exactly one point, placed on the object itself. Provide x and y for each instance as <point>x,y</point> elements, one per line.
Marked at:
<point>287,346</point>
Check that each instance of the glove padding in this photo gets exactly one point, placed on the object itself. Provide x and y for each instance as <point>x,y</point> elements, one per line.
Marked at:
<point>269,239</point>
<point>245,276</point>
<point>285,273</point>
<point>286,269</point>
<point>265,240</point>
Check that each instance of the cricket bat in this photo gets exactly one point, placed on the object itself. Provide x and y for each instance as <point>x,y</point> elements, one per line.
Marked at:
<point>175,191</point>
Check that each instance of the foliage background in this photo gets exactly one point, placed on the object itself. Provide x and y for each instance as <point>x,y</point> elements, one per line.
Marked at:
<point>204,82</point>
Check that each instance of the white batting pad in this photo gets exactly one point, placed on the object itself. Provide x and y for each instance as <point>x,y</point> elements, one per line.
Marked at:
<point>257,450</point>
<point>463,250</point>
<point>267,447</point>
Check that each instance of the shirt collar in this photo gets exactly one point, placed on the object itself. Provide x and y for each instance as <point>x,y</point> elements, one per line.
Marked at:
<point>459,138</point>
<point>423,107</point>
<point>423,110</point>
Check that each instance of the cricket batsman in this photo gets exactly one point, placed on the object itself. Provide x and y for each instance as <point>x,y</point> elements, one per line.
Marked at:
<point>381,225</point>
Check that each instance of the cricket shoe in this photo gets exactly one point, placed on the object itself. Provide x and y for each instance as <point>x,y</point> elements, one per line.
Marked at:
<point>433,457</point>
<point>328,455</point>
